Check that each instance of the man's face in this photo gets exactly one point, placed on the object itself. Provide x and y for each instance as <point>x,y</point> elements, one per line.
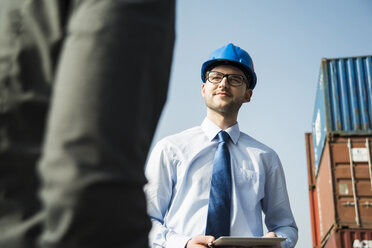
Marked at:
<point>222,97</point>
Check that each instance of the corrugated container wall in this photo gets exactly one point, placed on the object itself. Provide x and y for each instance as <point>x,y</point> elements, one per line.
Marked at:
<point>343,101</point>
<point>340,196</point>
<point>343,184</point>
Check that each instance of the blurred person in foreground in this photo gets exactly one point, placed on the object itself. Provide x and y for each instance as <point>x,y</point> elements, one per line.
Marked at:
<point>100,69</point>
<point>214,180</point>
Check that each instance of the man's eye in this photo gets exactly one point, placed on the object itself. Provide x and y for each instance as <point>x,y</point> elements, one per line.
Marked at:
<point>236,80</point>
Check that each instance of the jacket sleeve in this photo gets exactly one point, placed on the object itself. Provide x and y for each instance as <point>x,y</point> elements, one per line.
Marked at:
<point>161,175</point>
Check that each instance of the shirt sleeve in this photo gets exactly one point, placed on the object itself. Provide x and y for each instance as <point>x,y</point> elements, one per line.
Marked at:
<point>275,205</point>
<point>161,175</point>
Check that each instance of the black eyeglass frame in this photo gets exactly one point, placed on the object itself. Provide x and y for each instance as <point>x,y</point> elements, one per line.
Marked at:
<point>243,78</point>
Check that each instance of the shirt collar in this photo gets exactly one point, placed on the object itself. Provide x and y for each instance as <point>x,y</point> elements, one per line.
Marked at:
<point>211,130</point>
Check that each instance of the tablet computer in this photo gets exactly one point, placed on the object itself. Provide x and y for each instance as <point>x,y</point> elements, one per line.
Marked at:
<point>246,241</point>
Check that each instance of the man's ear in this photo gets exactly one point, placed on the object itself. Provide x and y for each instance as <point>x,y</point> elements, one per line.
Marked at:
<point>203,89</point>
<point>248,95</point>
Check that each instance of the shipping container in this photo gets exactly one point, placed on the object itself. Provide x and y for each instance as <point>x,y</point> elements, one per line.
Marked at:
<point>350,238</point>
<point>343,104</point>
<point>335,209</point>
<point>344,184</point>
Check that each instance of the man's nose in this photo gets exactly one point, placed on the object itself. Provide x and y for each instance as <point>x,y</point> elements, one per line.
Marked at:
<point>224,82</point>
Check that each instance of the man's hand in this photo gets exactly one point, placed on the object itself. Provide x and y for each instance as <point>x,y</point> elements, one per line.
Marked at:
<point>202,241</point>
<point>271,235</point>
<point>199,241</point>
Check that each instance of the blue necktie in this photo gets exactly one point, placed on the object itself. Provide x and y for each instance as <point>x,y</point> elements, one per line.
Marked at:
<point>218,219</point>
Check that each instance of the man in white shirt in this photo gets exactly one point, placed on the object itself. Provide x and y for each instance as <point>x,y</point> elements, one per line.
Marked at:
<point>179,170</point>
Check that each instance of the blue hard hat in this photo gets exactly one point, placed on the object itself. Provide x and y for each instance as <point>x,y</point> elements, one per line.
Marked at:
<point>234,55</point>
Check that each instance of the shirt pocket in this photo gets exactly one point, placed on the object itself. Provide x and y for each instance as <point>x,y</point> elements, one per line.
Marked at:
<point>249,182</point>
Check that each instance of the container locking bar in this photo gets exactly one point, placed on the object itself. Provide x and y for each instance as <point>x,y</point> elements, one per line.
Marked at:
<point>357,218</point>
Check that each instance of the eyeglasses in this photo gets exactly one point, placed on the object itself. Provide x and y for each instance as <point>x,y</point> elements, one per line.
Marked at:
<point>216,77</point>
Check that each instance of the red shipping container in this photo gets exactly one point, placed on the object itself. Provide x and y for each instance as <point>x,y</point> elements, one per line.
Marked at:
<point>341,193</point>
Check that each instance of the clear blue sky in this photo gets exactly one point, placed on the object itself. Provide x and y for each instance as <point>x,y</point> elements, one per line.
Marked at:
<point>286,40</point>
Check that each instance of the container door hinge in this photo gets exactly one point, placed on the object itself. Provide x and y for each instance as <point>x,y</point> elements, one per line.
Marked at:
<point>367,204</point>
<point>348,203</point>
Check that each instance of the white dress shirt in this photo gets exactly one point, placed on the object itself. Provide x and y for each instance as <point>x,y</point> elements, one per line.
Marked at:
<point>179,177</point>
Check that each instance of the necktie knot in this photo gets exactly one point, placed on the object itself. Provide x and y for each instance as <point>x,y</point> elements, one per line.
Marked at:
<point>223,136</point>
